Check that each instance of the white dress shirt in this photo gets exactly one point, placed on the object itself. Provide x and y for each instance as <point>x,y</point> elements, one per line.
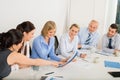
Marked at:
<point>115,43</point>
<point>28,49</point>
<point>66,46</point>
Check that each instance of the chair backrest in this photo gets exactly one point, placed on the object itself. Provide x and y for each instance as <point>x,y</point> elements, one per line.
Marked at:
<point>56,43</point>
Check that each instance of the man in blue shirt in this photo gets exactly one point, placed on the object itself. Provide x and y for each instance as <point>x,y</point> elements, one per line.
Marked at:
<point>88,37</point>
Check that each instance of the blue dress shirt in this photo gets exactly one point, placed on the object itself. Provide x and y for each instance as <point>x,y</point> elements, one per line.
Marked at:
<point>41,49</point>
<point>83,35</point>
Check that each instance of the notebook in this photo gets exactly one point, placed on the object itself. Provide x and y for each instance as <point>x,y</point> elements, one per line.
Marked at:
<point>112,64</point>
<point>69,60</point>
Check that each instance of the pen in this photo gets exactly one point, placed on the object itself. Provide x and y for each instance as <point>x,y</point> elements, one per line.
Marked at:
<point>49,73</point>
<point>59,76</point>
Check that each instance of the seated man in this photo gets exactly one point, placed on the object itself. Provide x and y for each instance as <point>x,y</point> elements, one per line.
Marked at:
<point>111,40</point>
<point>88,37</point>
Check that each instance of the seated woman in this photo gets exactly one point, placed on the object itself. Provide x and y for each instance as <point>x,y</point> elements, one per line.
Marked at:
<point>43,45</point>
<point>69,42</point>
<point>28,29</point>
<point>10,43</point>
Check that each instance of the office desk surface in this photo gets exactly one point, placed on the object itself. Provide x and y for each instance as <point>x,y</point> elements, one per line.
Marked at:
<point>79,70</point>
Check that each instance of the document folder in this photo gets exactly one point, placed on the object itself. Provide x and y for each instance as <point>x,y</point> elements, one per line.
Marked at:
<point>70,59</point>
<point>112,64</point>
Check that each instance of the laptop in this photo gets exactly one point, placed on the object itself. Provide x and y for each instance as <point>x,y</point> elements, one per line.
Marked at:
<point>69,60</point>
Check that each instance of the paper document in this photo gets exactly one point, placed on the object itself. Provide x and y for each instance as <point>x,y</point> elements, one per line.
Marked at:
<point>104,53</point>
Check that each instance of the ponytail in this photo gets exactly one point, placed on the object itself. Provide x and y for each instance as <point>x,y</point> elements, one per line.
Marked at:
<point>9,38</point>
<point>4,37</point>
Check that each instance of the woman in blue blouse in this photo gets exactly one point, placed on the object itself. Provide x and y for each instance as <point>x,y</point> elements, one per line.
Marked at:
<point>43,45</point>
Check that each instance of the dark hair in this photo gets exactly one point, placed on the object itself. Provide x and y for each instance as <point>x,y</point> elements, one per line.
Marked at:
<point>26,26</point>
<point>114,26</point>
<point>9,38</point>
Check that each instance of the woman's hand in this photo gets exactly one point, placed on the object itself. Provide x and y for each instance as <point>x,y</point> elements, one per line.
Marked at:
<point>56,64</point>
<point>64,60</point>
<point>83,55</point>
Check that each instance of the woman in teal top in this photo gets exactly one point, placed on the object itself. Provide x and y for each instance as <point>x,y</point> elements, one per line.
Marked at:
<point>43,45</point>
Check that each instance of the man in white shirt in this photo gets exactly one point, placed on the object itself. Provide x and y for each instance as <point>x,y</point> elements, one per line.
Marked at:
<point>111,40</point>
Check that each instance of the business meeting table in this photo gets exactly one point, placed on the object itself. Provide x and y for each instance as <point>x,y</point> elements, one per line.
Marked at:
<point>90,68</point>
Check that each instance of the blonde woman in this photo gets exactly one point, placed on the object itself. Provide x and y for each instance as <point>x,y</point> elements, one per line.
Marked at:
<point>43,45</point>
<point>69,42</point>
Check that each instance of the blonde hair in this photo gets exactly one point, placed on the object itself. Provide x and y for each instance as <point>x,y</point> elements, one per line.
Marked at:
<point>94,21</point>
<point>49,25</point>
<point>74,25</point>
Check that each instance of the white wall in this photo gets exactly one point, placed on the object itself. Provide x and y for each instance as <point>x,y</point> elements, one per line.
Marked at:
<point>111,12</point>
<point>83,11</point>
<point>63,12</point>
<point>13,12</point>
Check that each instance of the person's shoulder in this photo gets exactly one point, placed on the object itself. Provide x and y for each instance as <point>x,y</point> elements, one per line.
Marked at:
<point>118,35</point>
<point>15,54</point>
<point>105,35</point>
<point>38,38</point>
<point>64,35</point>
<point>97,33</point>
<point>83,30</point>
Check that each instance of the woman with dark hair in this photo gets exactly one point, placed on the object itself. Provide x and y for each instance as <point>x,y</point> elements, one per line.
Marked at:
<point>10,43</point>
<point>28,29</point>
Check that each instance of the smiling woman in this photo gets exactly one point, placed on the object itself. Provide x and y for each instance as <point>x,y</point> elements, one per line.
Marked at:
<point>69,42</point>
<point>43,45</point>
<point>10,43</point>
<point>28,29</point>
